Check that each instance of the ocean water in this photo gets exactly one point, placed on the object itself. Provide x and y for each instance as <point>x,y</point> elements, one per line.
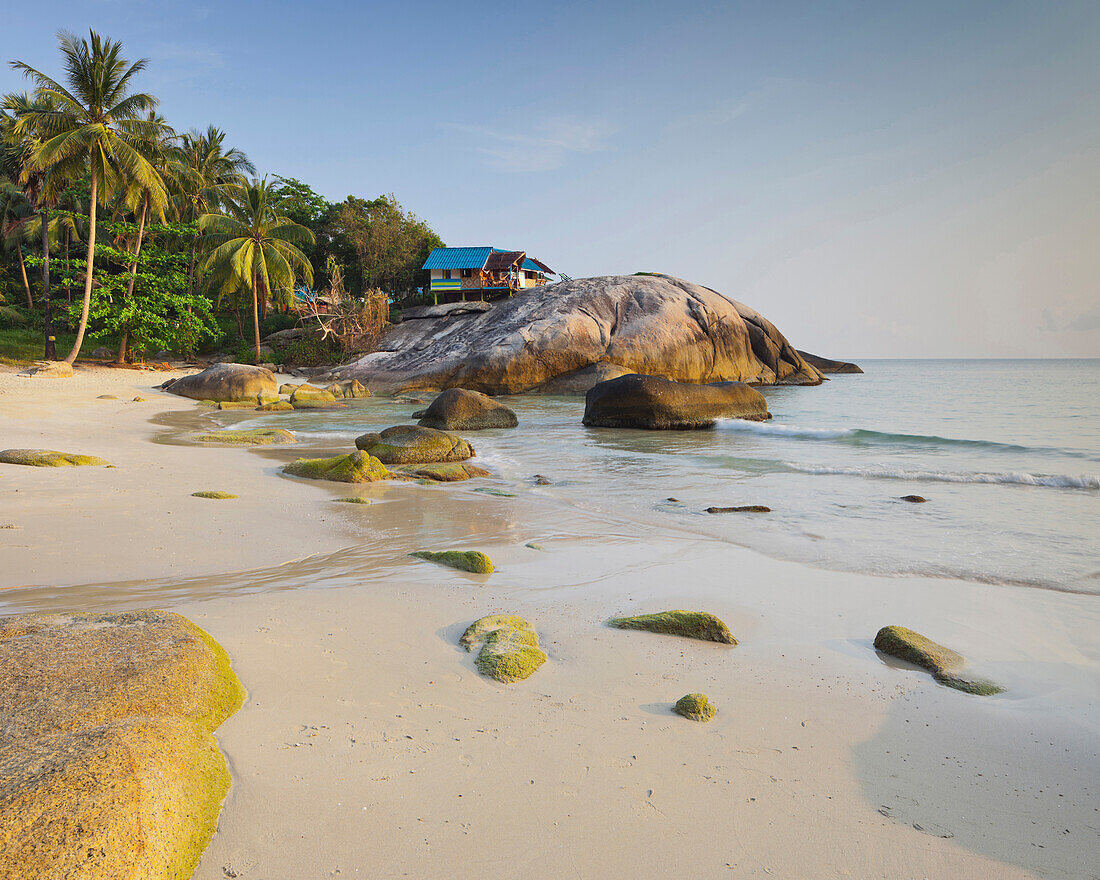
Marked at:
<point>1007,452</point>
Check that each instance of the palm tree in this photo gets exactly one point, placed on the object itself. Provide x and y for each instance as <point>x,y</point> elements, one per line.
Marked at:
<point>206,174</point>
<point>147,203</point>
<point>95,124</point>
<point>16,212</point>
<point>251,245</point>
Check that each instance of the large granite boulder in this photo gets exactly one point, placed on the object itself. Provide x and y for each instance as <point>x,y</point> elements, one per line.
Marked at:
<point>412,444</point>
<point>652,324</point>
<point>825,365</point>
<point>652,402</point>
<point>459,409</point>
<point>49,370</point>
<point>108,765</point>
<point>227,382</point>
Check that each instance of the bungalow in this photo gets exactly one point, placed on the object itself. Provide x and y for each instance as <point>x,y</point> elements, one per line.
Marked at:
<point>482,272</point>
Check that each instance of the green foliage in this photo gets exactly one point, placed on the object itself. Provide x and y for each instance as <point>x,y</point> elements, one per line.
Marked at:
<point>311,351</point>
<point>277,321</point>
<point>21,345</point>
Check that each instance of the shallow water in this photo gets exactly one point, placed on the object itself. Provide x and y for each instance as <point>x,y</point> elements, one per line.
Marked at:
<point>1007,453</point>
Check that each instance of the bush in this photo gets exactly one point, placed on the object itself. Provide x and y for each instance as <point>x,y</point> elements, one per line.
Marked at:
<point>311,351</point>
<point>273,323</point>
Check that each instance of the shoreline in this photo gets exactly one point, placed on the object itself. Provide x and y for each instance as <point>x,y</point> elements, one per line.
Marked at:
<point>369,743</point>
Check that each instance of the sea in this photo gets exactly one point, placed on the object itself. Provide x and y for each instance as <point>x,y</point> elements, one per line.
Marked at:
<point>1005,452</point>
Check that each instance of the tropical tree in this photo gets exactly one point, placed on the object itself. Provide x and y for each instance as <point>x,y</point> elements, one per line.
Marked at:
<point>95,124</point>
<point>251,245</point>
<point>16,212</point>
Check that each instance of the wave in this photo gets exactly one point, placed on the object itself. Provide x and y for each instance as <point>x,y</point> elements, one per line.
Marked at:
<point>1056,481</point>
<point>864,436</point>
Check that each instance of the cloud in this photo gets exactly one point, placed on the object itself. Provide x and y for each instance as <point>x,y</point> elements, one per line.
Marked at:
<point>1058,321</point>
<point>544,146</point>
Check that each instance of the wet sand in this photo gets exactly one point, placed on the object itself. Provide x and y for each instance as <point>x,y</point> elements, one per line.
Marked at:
<point>370,747</point>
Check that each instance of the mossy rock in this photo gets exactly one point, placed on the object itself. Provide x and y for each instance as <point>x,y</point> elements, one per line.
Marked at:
<point>914,499</point>
<point>499,493</point>
<point>465,560</point>
<point>109,768</point>
<point>447,473</point>
<point>411,444</point>
<point>208,403</point>
<point>690,624</point>
<point>49,458</point>
<point>288,388</point>
<point>238,404</point>
<point>309,397</point>
<point>354,499</point>
<point>216,495</point>
<point>254,437</point>
<point>107,397</point>
<point>348,389</point>
<point>695,706</point>
<point>509,647</point>
<point>358,467</point>
<point>279,406</point>
<point>744,508</point>
<point>139,399</point>
<point>943,663</point>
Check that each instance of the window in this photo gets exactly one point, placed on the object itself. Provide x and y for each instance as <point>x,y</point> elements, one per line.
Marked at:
<point>446,273</point>
<point>467,273</point>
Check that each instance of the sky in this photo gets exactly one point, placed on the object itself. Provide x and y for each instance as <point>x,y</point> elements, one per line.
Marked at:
<point>880,179</point>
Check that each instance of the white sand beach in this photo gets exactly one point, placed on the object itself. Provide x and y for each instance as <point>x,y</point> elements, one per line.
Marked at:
<point>370,746</point>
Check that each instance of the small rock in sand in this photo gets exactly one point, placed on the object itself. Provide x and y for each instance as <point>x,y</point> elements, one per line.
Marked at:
<point>695,706</point>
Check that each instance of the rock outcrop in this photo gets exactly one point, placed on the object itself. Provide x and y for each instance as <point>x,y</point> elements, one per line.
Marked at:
<point>824,365</point>
<point>228,382</point>
<point>637,401</point>
<point>653,324</point>
<point>412,444</point>
<point>108,766</point>
<point>458,409</point>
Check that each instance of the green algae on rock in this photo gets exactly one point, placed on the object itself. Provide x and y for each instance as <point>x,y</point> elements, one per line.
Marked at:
<point>465,560</point>
<point>690,624</point>
<point>213,493</point>
<point>695,706</point>
<point>411,444</point>
<point>239,404</point>
<point>943,663</point>
<point>309,397</point>
<point>348,389</point>
<point>510,647</point>
<point>452,472</point>
<point>499,493</point>
<point>49,458</point>
<point>358,467</point>
<point>109,768</point>
<point>277,406</point>
<point>254,437</point>
<point>354,499</point>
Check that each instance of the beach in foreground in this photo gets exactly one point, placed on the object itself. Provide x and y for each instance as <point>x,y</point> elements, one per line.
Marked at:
<point>370,746</point>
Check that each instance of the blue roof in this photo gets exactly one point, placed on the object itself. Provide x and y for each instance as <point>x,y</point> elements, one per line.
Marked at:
<point>457,258</point>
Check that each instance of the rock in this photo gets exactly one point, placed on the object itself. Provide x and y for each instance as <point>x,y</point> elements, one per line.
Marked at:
<point>540,480</point>
<point>943,663</point>
<point>49,370</point>
<point>419,414</point>
<point>914,499</point>
<point>254,437</point>
<point>465,560</point>
<point>653,324</point>
<point>358,467</point>
<point>240,404</point>
<point>49,458</point>
<point>824,365</point>
<point>270,366</point>
<point>139,399</point>
<point>288,388</point>
<point>348,389</point>
<point>309,397</point>
<point>281,338</point>
<point>744,508</point>
<point>226,382</point>
<point>354,499</point>
<point>217,496</point>
<point>690,624</point>
<point>411,444</point>
<point>447,473</point>
<point>500,493</point>
<point>108,766</point>
<point>582,380</point>
<point>458,409</point>
<point>279,406</point>
<point>107,397</point>
<point>103,353</point>
<point>695,706</point>
<point>533,546</point>
<point>637,401</point>
<point>444,309</point>
<point>510,647</point>
<point>163,355</point>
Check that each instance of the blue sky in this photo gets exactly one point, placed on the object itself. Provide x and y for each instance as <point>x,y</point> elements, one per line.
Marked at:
<point>879,179</point>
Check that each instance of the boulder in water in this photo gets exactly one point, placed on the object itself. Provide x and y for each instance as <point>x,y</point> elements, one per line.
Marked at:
<point>412,444</point>
<point>458,409</point>
<point>226,382</point>
<point>348,389</point>
<point>465,560</point>
<point>637,401</point>
<point>653,324</point>
<point>944,664</point>
<point>358,467</point>
<point>447,472</point>
<point>309,397</point>
<point>825,365</point>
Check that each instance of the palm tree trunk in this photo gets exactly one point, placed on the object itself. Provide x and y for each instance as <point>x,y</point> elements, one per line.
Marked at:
<point>23,269</point>
<point>255,313</point>
<point>71,357</point>
<point>47,324</point>
<point>121,359</point>
<point>68,288</point>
